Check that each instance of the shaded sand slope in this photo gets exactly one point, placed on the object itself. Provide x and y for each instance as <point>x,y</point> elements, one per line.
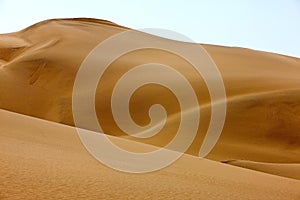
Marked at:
<point>45,160</point>
<point>38,67</point>
<point>287,170</point>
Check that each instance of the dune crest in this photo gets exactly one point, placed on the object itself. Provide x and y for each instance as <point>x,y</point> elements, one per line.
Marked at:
<point>289,170</point>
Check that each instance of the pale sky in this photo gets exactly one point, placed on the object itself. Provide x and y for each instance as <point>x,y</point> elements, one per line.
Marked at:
<point>268,25</point>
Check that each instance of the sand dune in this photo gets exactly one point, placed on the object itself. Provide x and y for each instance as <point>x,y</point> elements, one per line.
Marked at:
<point>45,160</point>
<point>38,66</point>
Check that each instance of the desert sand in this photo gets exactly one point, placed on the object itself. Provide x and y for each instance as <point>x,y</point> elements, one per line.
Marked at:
<point>44,159</point>
<point>287,169</point>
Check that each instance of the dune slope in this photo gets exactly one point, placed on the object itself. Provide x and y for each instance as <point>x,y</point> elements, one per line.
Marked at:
<point>38,66</point>
<point>45,160</point>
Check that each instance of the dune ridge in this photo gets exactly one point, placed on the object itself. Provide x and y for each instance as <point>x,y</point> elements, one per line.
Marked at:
<point>287,169</point>
<point>80,20</point>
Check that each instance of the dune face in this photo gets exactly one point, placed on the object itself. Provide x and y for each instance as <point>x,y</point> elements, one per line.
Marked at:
<point>45,160</point>
<point>38,67</point>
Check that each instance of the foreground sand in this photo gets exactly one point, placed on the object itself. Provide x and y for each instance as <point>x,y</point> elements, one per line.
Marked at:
<point>46,160</point>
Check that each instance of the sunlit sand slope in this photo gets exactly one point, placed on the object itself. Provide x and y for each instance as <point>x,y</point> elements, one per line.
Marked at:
<point>45,160</point>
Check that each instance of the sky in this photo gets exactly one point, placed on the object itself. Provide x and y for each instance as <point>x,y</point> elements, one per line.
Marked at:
<point>267,25</point>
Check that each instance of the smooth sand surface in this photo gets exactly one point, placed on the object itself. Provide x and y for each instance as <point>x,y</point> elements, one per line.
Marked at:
<point>45,160</point>
<point>38,66</point>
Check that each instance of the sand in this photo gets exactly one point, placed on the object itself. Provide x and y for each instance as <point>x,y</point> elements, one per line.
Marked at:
<point>46,160</point>
<point>38,66</point>
<point>287,169</point>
